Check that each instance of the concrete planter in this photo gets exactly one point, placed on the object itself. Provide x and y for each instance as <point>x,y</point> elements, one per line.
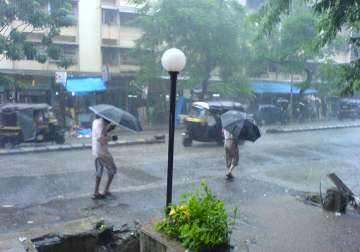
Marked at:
<point>154,241</point>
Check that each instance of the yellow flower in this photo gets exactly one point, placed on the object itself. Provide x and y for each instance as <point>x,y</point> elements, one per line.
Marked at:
<point>172,212</point>
<point>185,210</point>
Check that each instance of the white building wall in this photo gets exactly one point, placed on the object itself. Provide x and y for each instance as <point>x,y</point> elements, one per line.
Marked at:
<point>243,2</point>
<point>89,35</point>
<point>5,64</point>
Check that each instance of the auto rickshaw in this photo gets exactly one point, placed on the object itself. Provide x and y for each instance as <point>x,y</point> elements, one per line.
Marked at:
<point>348,108</point>
<point>203,123</point>
<point>28,122</point>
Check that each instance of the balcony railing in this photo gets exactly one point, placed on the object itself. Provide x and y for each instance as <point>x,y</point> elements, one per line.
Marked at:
<point>110,32</point>
<point>128,36</point>
<point>34,65</point>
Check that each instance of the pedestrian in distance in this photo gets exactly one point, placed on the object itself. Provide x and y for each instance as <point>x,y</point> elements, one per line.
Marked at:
<point>231,153</point>
<point>103,158</point>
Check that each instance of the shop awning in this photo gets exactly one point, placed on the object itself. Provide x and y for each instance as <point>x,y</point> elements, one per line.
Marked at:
<point>81,86</point>
<point>277,87</point>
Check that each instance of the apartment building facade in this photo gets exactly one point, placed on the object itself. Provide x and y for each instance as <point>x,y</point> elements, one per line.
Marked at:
<point>97,44</point>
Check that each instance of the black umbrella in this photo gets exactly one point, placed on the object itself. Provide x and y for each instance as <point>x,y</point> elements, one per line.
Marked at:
<point>116,116</point>
<point>236,123</point>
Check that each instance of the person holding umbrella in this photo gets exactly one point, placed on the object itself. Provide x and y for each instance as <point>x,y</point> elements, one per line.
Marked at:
<point>237,129</point>
<point>103,158</point>
<point>231,152</point>
<point>107,117</point>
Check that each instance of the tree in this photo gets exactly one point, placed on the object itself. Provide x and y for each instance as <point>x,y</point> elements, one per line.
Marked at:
<point>335,17</point>
<point>289,48</point>
<point>212,33</point>
<point>19,18</point>
<point>332,79</point>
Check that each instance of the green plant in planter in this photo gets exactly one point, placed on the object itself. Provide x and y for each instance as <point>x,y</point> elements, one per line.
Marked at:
<point>199,222</point>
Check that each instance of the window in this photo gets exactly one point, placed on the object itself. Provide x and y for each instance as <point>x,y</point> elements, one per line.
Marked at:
<point>70,52</point>
<point>110,56</point>
<point>67,52</point>
<point>110,17</point>
<point>126,58</point>
<point>75,10</point>
<point>127,18</point>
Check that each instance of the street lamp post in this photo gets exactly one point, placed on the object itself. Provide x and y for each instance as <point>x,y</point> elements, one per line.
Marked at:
<point>173,61</point>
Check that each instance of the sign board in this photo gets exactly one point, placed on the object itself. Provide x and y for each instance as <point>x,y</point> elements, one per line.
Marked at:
<point>145,92</point>
<point>105,74</point>
<point>60,77</point>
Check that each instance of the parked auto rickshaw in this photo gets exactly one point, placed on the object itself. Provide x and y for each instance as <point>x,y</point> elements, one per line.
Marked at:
<point>203,123</point>
<point>28,122</point>
<point>348,108</point>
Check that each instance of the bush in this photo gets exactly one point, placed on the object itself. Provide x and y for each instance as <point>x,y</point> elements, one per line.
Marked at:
<point>199,222</point>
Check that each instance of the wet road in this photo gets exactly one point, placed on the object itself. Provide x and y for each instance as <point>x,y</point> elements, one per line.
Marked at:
<point>44,188</point>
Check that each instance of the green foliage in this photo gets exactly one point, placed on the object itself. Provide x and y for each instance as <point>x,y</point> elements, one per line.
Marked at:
<point>272,13</point>
<point>290,47</point>
<point>213,35</point>
<point>31,15</point>
<point>332,79</point>
<point>200,221</point>
<point>54,52</point>
<point>335,16</point>
<point>10,83</point>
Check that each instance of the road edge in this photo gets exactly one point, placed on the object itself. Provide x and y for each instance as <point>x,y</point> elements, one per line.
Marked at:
<point>77,146</point>
<point>311,128</point>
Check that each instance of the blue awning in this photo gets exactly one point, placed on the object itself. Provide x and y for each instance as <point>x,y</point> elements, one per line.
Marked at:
<point>277,87</point>
<point>81,86</point>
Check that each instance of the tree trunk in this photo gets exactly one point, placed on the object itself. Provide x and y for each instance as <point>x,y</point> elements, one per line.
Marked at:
<point>291,102</point>
<point>61,97</point>
<point>307,82</point>
<point>204,88</point>
<point>205,82</point>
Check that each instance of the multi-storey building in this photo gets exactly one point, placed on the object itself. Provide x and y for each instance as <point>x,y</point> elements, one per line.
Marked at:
<point>98,43</point>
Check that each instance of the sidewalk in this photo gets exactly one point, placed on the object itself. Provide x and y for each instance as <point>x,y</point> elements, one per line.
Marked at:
<point>312,126</point>
<point>73,143</point>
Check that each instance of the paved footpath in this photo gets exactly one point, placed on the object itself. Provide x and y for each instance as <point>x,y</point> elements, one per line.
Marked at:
<point>73,143</point>
<point>311,126</point>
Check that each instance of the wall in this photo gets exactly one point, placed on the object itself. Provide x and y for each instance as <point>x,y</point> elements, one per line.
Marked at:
<point>89,35</point>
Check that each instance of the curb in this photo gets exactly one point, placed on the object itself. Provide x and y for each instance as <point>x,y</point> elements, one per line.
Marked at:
<point>77,146</point>
<point>310,128</point>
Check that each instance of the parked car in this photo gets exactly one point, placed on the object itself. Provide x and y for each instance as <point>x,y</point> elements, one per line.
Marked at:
<point>28,122</point>
<point>348,108</point>
<point>269,114</point>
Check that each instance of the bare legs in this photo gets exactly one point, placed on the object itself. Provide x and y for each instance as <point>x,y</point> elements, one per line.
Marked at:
<point>108,183</point>
<point>231,155</point>
<point>101,163</point>
<point>97,185</point>
<point>107,186</point>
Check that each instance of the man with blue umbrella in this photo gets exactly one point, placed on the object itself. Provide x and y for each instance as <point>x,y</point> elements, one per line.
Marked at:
<point>237,129</point>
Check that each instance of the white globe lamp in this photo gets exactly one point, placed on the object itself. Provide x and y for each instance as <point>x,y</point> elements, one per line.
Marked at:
<point>173,60</point>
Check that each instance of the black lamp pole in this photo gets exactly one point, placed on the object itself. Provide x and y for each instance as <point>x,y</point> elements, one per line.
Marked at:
<point>173,78</point>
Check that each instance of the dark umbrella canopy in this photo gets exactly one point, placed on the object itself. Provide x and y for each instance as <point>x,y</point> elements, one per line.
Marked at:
<point>232,116</point>
<point>243,129</point>
<point>116,116</point>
